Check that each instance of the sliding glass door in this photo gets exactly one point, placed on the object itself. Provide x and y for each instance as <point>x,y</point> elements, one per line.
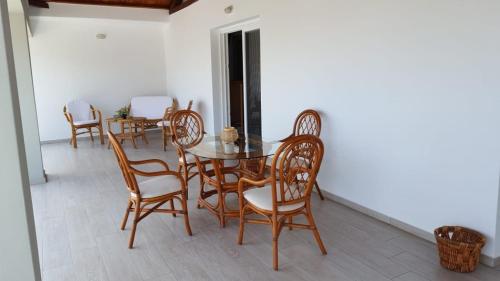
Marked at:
<point>242,79</point>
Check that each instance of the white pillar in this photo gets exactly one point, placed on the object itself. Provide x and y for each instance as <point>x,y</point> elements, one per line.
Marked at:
<point>18,249</point>
<point>26,93</point>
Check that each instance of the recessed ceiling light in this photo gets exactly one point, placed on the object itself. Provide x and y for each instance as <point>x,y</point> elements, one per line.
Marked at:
<point>229,9</point>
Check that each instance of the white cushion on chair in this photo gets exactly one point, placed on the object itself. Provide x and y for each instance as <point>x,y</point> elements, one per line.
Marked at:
<point>159,186</point>
<point>189,158</point>
<point>262,198</point>
<point>80,110</point>
<point>86,122</point>
<point>150,107</point>
<point>163,124</point>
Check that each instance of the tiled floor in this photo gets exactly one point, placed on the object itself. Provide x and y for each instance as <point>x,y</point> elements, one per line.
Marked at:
<point>77,221</point>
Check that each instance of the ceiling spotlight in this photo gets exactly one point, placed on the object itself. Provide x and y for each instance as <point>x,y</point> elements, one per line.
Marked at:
<point>100,36</point>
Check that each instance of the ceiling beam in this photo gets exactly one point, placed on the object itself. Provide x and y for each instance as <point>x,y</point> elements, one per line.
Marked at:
<point>39,3</point>
<point>178,5</point>
<point>171,5</point>
<point>154,4</point>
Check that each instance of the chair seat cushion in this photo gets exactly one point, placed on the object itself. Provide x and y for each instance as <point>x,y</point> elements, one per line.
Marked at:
<point>158,186</point>
<point>262,198</point>
<point>163,124</point>
<point>189,158</point>
<point>85,122</point>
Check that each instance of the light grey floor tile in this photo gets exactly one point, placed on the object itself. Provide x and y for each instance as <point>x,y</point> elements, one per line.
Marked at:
<point>78,213</point>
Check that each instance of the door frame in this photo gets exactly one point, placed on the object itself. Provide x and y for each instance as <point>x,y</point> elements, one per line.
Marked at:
<point>221,71</point>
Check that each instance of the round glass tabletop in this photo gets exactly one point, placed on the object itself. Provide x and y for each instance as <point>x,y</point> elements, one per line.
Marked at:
<point>244,148</point>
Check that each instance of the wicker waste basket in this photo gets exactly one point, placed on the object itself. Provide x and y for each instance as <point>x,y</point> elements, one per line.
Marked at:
<point>459,247</point>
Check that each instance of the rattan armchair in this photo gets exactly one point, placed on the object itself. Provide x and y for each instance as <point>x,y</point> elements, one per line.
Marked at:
<point>287,192</point>
<point>83,116</point>
<point>146,197</point>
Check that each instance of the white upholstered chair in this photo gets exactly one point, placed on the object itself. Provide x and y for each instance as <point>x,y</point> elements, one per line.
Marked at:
<point>156,109</point>
<point>150,107</point>
<point>83,116</point>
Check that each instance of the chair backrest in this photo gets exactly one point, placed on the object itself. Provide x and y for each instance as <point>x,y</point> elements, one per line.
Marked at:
<point>150,107</point>
<point>169,111</point>
<point>123,162</point>
<point>308,122</point>
<point>187,128</point>
<point>294,169</point>
<point>80,110</point>
<point>190,105</point>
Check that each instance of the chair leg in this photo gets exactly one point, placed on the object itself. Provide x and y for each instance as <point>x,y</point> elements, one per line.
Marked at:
<point>164,139</point>
<point>315,230</point>
<point>186,180</point>
<point>125,217</point>
<point>73,138</point>
<point>242,224</point>
<point>144,138</point>
<point>133,142</point>
<point>186,216</point>
<point>134,226</point>
<point>202,186</point>
<point>91,135</point>
<point>275,243</point>
<point>172,207</point>
<point>101,134</point>
<point>319,191</point>
<point>290,221</point>
<point>222,219</point>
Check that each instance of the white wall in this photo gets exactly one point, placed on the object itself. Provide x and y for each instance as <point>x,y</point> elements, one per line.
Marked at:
<point>408,91</point>
<point>19,257</point>
<point>69,62</point>
<point>26,93</point>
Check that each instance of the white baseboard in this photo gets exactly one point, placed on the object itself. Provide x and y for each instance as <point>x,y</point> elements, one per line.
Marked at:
<point>429,236</point>
<point>96,137</point>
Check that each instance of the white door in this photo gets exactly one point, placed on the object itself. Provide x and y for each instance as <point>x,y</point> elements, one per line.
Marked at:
<point>241,77</point>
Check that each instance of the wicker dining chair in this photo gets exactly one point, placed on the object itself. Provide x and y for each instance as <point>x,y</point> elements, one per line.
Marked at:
<point>164,124</point>
<point>187,131</point>
<point>286,193</point>
<point>83,116</point>
<point>163,186</point>
<point>308,122</point>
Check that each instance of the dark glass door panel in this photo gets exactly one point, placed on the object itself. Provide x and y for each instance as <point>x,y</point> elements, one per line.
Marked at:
<point>252,47</point>
<point>236,98</point>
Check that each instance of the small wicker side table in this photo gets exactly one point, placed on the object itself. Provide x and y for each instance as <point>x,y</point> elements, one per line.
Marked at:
<point>130,129</point>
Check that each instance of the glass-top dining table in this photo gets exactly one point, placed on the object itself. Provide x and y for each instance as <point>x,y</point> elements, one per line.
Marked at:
<point>250,151</point>
<point>246,147</point>
<point>249,154</point>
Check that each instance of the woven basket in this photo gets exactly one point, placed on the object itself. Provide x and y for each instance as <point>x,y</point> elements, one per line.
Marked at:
<point>459,247</point>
